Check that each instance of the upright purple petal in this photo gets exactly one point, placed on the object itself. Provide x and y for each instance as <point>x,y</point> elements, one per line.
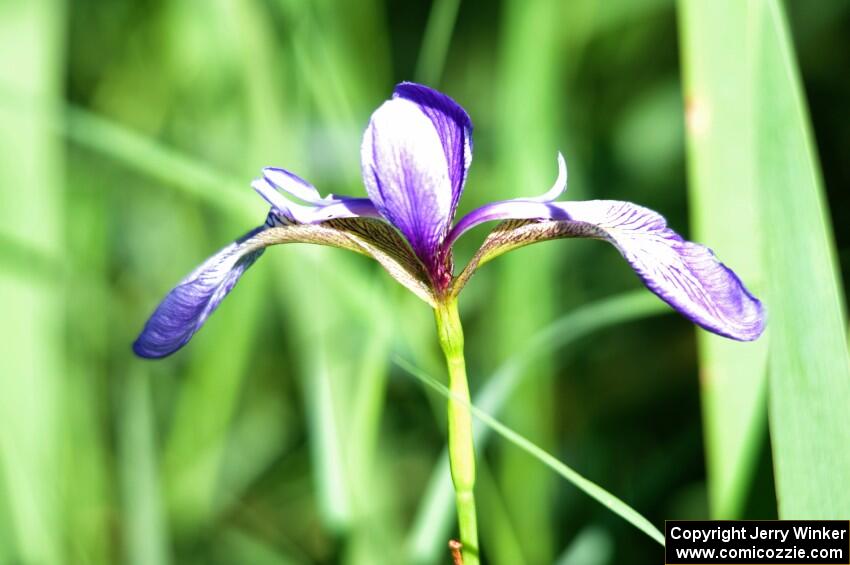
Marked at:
<point>453,127</point>
<point>415,154</point>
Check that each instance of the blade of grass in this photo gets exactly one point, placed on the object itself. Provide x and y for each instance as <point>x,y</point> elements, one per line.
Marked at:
<point>591,546</point>
<point>321,382</point>
<point>433,519</point>
<point>86,446</point>
<point>809,367</point>
<point>32,369</point>
<point>329,455</point>
<point>236,546</point>
<point>220,361</point>
<point>255,441</point>
<point>206,402</point>
<point>328,51</point>
<point>144,528</point>
<point>723,191</point>
<point>196,178</point>
<point>498,524</point>
<point>184,173</point>
<point>330,43</point>
<point>590,488</point>
<point>367,409</point>
<point>8,543</point>
<point>190,175</point>
<point>436,41</point>
<point>21,259</point>
<point>529,75</point>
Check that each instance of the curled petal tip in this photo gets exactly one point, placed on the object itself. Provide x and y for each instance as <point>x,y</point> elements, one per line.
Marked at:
<point>528,208</point>
<point>276,200</point>
<point>293,184</point>
<point>318,211</point>
<point>562,168</point>
<point>560,185</point>
<point>265,189</point>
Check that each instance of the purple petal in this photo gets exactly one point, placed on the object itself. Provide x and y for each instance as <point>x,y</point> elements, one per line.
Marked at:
<point>415,154</point>
<point>185,309</point>
<point>318,209</point>
<point>292,183</point>
<point>686,275</point>
<point>536,207</point>
<point>453,127</point>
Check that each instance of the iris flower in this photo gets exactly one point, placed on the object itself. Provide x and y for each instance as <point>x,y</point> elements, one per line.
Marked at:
<point>415,157</point>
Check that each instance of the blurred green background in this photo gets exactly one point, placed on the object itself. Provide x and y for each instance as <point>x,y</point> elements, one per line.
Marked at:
<point>285,434</point>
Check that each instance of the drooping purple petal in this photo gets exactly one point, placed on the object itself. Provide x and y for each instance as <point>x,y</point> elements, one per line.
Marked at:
<point>415,154</point>
<point>185,309</point>
<point>536,207</point>
<point>686,275</point>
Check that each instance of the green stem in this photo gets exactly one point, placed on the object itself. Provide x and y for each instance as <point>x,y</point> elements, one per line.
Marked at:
<point>461,451</point>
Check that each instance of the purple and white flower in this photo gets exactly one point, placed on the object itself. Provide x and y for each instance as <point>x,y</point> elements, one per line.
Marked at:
<point>415,156</point>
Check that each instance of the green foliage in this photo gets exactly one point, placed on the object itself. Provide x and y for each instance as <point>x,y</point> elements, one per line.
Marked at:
<point>750,144</point>
<point>284,434</point>
<point>717,68</point>
<point>589,487</point>
<point>808,362</point>
<point>435,513</point>
<point>33,369</point>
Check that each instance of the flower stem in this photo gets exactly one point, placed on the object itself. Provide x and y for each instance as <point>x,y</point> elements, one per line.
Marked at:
<point>461,451</point>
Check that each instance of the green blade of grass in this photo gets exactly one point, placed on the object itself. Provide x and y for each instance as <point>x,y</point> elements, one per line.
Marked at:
<point>190,175</point>
<point>220,360</point>
<point>527,102</point>
<point>255,441</point>
<point>723,191</point>
<point>435,43</point>
<point>236,546</point>
<point>194,177</point>
<point>204,182</point>
<point>327,423</point>
<point>809,387</point>
<point>748,84</point>
<point>591,546</point>
<point>498,525</point>
<point>330,42</point>
<point>369,499</point>
<point>590,488</point>
<point>144,529</point>
<point>206,402</point>
<point>31,337</point>
<point>86,452</point>
<point>433,519</point>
